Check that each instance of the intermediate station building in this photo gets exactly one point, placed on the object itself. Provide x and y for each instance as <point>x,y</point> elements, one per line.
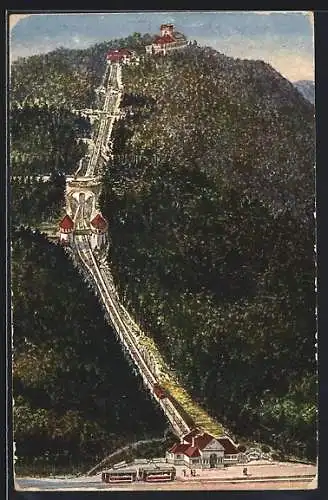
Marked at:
<point>122,56</point>
<point>98,229</point>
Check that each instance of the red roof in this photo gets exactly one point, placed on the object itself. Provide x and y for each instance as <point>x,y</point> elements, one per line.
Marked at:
<point>191,434</point>
<point>118,54</point>
<point>229,447</point>
<point>201,440</point>
<point>192,451</point>
<point>99,222</point>
<point>66,223</point>
<point>164,39</point>
<point>179,448</point>
<point>186,449</point>
<point>126,52</point>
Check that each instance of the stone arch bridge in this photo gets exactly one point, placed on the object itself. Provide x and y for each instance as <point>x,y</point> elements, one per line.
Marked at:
<point>81,198</point>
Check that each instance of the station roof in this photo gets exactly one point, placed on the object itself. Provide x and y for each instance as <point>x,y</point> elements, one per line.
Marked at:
<point>201,440</point>
<point>228,445</point>
<point>118,54</point>
<point>192,451</point>
<point>99,222</point>
<point>161,40</point>
<point>121,470</point>
<point>66,223</point>
<point>157,466</point>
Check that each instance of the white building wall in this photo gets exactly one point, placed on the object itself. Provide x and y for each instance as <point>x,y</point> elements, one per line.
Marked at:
<point>231,459</point>
<point>206,459</point>
<point>98,240</point>
<point>64,238</point>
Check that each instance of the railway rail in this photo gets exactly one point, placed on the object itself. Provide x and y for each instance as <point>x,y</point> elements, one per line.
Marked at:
<point>97,271</point>
<point>125,333</point>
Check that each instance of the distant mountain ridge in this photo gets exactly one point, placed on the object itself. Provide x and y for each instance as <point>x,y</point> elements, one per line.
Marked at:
<point>307,89</point>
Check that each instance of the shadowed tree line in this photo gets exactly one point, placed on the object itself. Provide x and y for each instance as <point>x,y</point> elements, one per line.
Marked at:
<point>76,394</point>
<point>213,243</point>
<point>44,133</point>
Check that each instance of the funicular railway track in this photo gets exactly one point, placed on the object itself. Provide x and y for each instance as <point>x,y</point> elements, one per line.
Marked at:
<point>104,130</point>
<point>100,276</point>
<point>124,331</point>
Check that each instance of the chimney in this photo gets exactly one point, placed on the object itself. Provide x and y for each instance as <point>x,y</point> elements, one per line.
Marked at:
<point>193,441</point>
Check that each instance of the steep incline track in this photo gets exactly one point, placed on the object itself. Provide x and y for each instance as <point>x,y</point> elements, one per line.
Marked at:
<point>123,330</point>
<point>140,348</point>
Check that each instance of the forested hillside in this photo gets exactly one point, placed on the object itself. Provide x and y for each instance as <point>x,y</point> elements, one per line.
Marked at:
<point>45,139</point>
<point>35,202</point>
<point>44,131</point>
<point>210,200</point>
<point>76,394</point>
<point>66,77</point>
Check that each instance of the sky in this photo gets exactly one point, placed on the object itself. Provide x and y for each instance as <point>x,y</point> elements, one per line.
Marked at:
<point>283,39</point>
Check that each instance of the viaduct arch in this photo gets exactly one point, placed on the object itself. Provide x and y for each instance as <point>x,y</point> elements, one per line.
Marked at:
<point>82,192</point>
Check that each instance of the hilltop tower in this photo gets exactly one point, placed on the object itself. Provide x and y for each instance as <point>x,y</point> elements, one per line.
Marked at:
<point>167,29</point>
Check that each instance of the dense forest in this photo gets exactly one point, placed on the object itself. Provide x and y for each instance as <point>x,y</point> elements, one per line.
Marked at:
<point>45,131</point>
<point>45,139</point>
<point>66,77</point>
<point>34,202</point>
<point>211,201</point>
<point>75,392</point>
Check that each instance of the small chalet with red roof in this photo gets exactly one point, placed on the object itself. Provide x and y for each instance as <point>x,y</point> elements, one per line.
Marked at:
<point>122,55</point>
<point>66,227</point>
<point>99,232</point>
<point>202,450</point>
<point>168,39</point>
